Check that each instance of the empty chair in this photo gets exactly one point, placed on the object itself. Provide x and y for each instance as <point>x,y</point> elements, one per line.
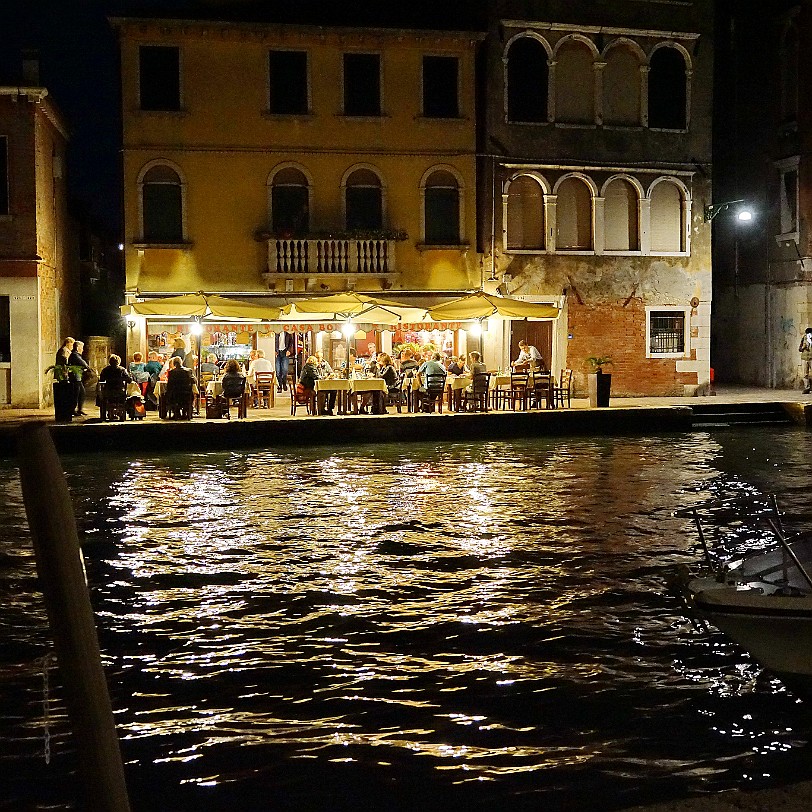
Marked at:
<point>265,389</point>
<point>563,392</point>
<point>475,398</point>
<point>541,392</point>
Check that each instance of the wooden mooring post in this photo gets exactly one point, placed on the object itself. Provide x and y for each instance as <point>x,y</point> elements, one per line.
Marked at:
<point>61,575</point>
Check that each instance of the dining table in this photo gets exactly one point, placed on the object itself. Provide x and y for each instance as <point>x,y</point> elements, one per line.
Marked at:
<point>376,386</point>
<point>536,381</point>
<point>341,386</point>
<point>455,386</point>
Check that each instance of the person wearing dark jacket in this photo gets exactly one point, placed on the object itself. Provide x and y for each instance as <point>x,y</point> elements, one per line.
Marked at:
<point>115,378</point>
<point>75,360</point>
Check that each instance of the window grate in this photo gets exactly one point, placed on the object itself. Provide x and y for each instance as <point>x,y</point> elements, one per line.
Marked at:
<point>667,333</point>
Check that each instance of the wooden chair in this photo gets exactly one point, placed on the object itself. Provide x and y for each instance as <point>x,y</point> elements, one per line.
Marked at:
<point>238,397</point>
<point>265,389</point>
<point>517,395</point>
<point>180,405</point>
<point>300,399</point>
<point>541,391</point>
<point>433,394</point>
<point>475,399</point>
<point>563,391</point>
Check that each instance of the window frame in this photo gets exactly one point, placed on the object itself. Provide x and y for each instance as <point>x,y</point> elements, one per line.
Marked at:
<point>548,85</point>
<point>685,217</point>
<point>308,186</point>
<point>669,310</point>
<point>379,57</point>
<point>142,240</point>
<point>506,231</point>
<point>686,60</point>
<point>460,204</point>
<point>785,167</point>
<point>345,186</point>
<point>180,108</point>
<point>308,92</point>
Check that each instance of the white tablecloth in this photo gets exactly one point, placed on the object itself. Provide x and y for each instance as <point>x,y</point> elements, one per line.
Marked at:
<point>368,385</point>
<point>333,385</point>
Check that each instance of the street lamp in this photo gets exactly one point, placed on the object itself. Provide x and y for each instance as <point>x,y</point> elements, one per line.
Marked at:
<point>743,212</point>
<point>196,329</point>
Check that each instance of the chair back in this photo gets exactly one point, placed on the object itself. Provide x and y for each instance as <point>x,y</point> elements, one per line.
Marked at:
<point>519,380</point>
<point>481,383</point>
<point>435,382</point>
<point>233,388</point>
<point>265,380</point>
<point>566,379</point>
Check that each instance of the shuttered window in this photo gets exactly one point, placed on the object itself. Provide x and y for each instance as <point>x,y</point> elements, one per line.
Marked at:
<point>574,216</point>
<point>525,215</point>
<point>621,231</point>
<point>667,232</point>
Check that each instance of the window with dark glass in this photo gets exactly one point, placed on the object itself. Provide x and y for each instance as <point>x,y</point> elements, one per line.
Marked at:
<point>364,201</point>
<point>667,332</point>
<point>5,329</point>
<point>162,206</point>
<point>3,174</point>
<point>527,78</point>
<point>290,203</point>
<point>440,87</point>
<point>667,90</point>
<point>159,77</point>
<point>442,209</point>
<point>288,82</point>
<point>362,85</point>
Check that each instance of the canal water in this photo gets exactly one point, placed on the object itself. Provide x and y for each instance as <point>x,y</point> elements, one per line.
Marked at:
<point>416,627</point>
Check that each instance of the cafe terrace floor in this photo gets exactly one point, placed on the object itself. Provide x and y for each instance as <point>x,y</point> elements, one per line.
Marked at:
<point>277,427</point>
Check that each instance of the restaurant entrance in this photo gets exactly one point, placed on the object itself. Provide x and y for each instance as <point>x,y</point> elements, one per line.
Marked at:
<point>537,333</point>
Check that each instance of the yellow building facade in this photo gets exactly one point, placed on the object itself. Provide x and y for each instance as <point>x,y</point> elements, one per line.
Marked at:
<point>288,160</point>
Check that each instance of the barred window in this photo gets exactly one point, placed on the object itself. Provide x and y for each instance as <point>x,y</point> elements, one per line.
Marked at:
<point>667,333</point>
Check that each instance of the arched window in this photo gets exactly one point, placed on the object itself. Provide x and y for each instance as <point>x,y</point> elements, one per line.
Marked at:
<point>290,202</point>
<point>574,216</point>
<point>575,84</point>
<point>441,209</point>
<point>789,74</point>
<point>621,220</point>
<point>667,230</point>
<point>162,205</point>
<point>527,80</point>
<point>363,197</point>
<point>621,87</point>
<point>667,90</point>
<point>525,215</point>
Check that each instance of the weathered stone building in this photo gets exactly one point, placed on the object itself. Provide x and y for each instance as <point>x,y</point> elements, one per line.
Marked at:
<point>594,175</point>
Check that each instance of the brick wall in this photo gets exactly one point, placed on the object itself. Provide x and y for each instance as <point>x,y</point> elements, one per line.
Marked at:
<point>618,330</point>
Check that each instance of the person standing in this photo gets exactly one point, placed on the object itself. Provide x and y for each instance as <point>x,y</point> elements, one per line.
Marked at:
<point>63,353</point>
<point>78,379</point>
<point>805,348</point>
<point>528,354</point>
<point>285,350</point>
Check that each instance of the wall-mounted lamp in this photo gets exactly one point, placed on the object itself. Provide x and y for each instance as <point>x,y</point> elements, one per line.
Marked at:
<point>743,212</point>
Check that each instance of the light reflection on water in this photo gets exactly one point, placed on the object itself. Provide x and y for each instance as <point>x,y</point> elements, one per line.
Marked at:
<point>414,627</point>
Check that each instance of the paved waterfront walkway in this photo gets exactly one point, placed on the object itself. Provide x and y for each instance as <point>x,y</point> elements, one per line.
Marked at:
<point>724,394</point>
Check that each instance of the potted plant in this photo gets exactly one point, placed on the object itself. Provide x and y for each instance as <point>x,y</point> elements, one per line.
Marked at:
<point>600,382</point>
<point>65,393</point>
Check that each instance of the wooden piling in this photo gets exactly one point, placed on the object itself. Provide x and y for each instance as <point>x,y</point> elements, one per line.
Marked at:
<point>61,575</point>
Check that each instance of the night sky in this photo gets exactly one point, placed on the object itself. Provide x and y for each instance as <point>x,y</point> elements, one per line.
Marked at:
<point>79,65</point>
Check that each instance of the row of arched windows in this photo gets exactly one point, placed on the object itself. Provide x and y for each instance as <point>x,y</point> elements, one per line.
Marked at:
<point>290,188</point>
<point>575,214</point>
<point>575,83</point>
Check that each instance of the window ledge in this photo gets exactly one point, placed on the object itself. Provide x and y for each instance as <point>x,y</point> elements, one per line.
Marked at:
<point>441,119</point>
<point>582,252</point>
<point>527,123</point>
<point>616,253</point>
<point>790,236</point>
<point>575,125</point>
<point>306,116</point>
<point>682,130</point>
<point>669,253</point>
<point>6,218</point>
<point>178,246</point>
<point>367,117</point>
<point>667,355</point>
<point>432,246</point>
<point>182,113</point>
<point>539,250</point>
<point>624,127</point>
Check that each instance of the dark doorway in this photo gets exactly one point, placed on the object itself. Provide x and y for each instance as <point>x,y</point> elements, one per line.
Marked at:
<point>537,333</point>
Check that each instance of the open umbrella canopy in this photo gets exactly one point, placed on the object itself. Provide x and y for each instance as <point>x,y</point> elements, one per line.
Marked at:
<point>342,306</point>
<point>203,305</point>
<point>480,305</point>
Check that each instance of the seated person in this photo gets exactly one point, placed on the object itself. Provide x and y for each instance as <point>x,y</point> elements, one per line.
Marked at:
<point>309,376</point>
<point>138,369</point>
<point>115,379</point>
<point>179,381</point>
<point>209,366</point>
<point>408,366</point>
<point>325,370</point>
<point>457,366</point>
<point>430,367</point>
<point>154,365</point>
<point>387,371</point>
<point>475,364</point>
<point>259,364</point>
<point>233,380</point>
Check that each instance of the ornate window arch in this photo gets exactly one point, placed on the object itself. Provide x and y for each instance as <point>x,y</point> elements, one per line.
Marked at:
<point>621,194</point>
<point>621,85</point>
<point>363,194</point>
<point>669,202</point>
<point>524,222</point>
<point>669,87</point>
<point>443,217</point>
<point>527,78</point>
<point>575,196</point>
<point>162,203</point>
<point>575,56</point>
<point>289,188</point>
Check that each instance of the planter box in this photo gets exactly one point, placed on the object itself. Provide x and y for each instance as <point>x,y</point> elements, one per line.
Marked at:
<point>64,401</point>
<point>600,385</point>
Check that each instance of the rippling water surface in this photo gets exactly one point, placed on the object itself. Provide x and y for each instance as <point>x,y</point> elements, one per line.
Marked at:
<point>411,627</point>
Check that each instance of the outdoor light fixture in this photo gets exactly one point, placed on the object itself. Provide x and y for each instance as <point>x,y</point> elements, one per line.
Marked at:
<point>475,329</point>
<point>196,328</point>
<point>743,212</point>
<point>348,330</point>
